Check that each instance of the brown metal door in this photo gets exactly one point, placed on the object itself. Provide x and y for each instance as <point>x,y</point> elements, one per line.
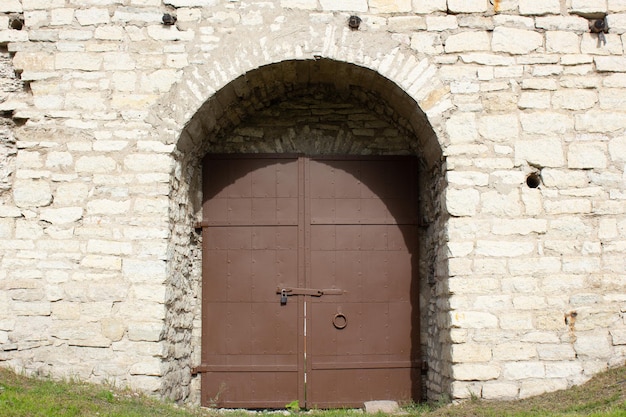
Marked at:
<point>363,345</point>
<point>342,225</point>
<point>251,343</point>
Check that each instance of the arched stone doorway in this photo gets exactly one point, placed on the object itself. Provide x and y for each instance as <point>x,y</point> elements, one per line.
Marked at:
<point>310,107</point>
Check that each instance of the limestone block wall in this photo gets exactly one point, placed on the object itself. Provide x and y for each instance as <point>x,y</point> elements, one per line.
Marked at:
<point>517,111</point>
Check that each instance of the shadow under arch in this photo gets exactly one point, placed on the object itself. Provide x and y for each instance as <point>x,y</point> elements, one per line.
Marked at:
<point>225,123</point>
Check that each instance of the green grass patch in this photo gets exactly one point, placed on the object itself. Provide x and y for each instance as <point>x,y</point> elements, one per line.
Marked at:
<point>604,395</point>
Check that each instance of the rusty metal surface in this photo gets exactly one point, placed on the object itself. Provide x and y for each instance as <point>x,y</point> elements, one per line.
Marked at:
<point>332,242</point>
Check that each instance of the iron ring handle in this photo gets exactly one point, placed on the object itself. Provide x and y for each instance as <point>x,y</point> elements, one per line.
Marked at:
<point>340,321</point>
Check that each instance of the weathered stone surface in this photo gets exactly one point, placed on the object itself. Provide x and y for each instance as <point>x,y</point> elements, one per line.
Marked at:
<point>106,113</point>
<point>475,372</point>
<point>545,152</point>
<point>515,41</point>
<point>381,406</point>
<point>539,7</point>
<point>462,202</point>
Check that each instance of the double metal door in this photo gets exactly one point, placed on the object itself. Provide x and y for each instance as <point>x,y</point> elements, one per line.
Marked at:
<point>309,281</point>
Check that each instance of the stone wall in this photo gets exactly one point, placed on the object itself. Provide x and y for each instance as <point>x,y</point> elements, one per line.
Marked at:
<point>102,134</point>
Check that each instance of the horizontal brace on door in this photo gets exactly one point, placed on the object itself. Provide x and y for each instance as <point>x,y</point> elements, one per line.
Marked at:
<point>365,365</point>
<point>309,291</point>
<point>204,368</point>
<point>200,225</point>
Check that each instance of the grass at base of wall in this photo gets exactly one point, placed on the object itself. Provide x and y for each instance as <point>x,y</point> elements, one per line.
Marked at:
<point>604,395</point>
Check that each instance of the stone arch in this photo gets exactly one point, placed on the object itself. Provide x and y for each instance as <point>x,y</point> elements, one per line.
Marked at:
<point>394,88</point>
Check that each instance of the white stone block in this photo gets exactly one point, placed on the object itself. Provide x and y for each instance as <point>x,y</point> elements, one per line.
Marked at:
<point>92,16</point>
<point>62,215</point>
<point>381,406</point>
<point>499,390</point>
<point>462,202</point>
<point>504,249</point>
<point>390,6</point>
<point>617,6</point>
<point>112,263</point>
<point>463,353</point>
<point>515,41</point>
<point>562,42</point>
<point>148,162</point>
<point>12,6</point>
<point>520,227</point>
<point>344,5</point>
<point>109,33</point>
<point>109,207</point>
<point>534,100</point>
<point>600,122</point>
<point>563,24</point>
<point>562,179</point>
<point>109,247</point>
<point>461,128</point>
<point>588,6</point>
<point>113,329</point>
<point>501,205</point>
<point>429,6</point>
<point>299,4</point>
<point>191,3</point>
<point>610,63</point>
<point>536,387</point>
<point>499,128</point>
<point>570,206</point>
<point>441,23</point>
<point>464,390</point>
<point>545,152</point>
<point>535,266</point>
<point>546,123</point>
<point>78,61</point>
<point>514,351</point>
<point>613,98</point>
<point>169,33</point>
<point>95,164</point>
<point>473,319</point>
<point>472,178</point>
<point>143,271</point>
<point>31,193</point>
<point>467,41</point>
<point>60,17</point>
<point>553,352</point>
<point>539,7</point>
<point>563,369</point>
<point>617,149</point>
<point>574,99</point>
<point>475,372</point>
<point>488,59</point>
<point>42,4</point>
<point>618,337</point>
<point>145,331</point>
<point>523,370</point>
<point>151,366</point>
<point>428,43</point>
<point>467,6</point>
<point>587,155</point>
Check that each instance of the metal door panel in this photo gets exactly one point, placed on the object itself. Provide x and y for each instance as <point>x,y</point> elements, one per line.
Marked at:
<point>367,243</point>
<point>251,343</point>
<point>249,389</point>
<point>346,224</point>
<point>352,387</point>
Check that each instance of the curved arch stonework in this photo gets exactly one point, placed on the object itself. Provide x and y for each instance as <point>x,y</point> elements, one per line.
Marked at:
<point>376,117</point>
<point>521,282</point>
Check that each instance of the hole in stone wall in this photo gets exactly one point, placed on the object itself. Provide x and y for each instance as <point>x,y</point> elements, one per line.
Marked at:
<point>16,23</point>
<point>533,180</point>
